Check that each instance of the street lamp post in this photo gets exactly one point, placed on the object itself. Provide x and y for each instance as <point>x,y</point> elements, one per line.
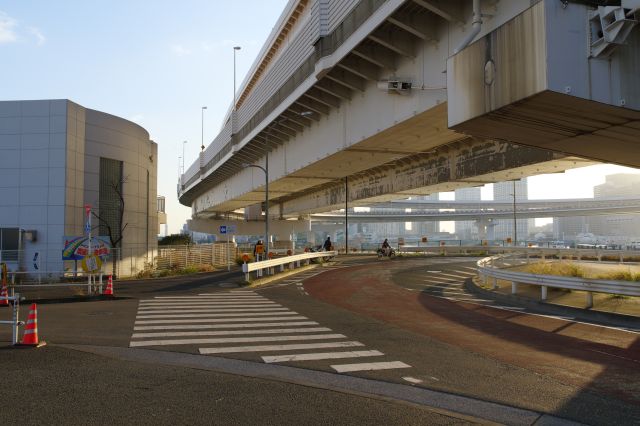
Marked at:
<point>202,139</point>
<point>235,48</point>
<point>515,223</point>
<point>266,199</point>
<point>183,144</point>
<point>265,169</point>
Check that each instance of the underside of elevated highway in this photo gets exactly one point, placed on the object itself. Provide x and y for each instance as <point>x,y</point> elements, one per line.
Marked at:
<point>389,100</point>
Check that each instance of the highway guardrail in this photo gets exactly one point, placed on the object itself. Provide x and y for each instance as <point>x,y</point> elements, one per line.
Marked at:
<point>294,261</point>
<point>487,270</point>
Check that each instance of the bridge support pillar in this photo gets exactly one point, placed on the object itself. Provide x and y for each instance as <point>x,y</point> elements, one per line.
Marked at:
<point>495,283</point>
<point>589,300</point>
<point>514,287</point>
<point>543,292</point>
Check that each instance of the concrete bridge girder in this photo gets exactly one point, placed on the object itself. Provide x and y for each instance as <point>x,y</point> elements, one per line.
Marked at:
<point>369,130</point>
<point>473,163</point>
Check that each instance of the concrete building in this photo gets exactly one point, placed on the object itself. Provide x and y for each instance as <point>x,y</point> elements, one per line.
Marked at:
<point>56,157</point>
<point>503,191</point>
<point>467,229</point>
<point>621,185</point>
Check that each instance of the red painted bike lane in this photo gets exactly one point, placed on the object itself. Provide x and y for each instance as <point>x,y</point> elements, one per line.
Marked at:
<point>589,357</point>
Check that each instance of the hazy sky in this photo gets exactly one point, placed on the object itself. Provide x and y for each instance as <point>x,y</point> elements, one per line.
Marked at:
<point>157,63</point>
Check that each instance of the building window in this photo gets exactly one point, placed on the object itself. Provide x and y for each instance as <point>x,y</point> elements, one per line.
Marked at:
<point>111,204</point>
<point>9,244</point>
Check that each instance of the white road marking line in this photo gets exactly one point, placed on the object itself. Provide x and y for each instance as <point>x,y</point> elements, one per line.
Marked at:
<point>319,356</point>
<point>216,326</point>
<point>508,308</point>
<point>198,310</point>
<point>210,315</point>
<point>199,297</point>
<point>235,340</point>
<point>209,305</point>
<point>441,281</point>
<point>232,332</point>
<point>442,285</point>
<point>221,315</point>
<point>434,272</point>
<point>203,300</point>
<point>444,290</point>
<point>209,299</point>
<point>369,366</point>
<point>465,273</point>
<point>455,276</point>
<point>475,269</point>
<point>272,348</point>
<point>175,321</point>
<point>412,380</point>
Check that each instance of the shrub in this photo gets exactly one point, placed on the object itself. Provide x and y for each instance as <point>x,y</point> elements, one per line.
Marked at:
<point>561,269</point>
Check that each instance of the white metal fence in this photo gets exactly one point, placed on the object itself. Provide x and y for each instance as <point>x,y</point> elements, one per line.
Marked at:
<point>130,263</point>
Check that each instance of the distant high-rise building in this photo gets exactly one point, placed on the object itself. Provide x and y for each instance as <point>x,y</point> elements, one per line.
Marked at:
<point>503,191</point>
<point>467,229</point>
<point>426,228</point>
<point>621,185</point>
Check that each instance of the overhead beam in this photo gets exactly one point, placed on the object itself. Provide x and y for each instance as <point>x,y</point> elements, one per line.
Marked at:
<point>484,160</point>
<point>420,25</point>
<point>360,67</point>
<point>334,89</point>
<point>299,110</point>
<point>400,42</point>
<point>323,97</point>
<point>279,127</point>
<point>348,80</point>
<point>307,102</point>
<point>291,124</point>
<point>381,57</point>
<point>297,119</point>
<point>443,9</point>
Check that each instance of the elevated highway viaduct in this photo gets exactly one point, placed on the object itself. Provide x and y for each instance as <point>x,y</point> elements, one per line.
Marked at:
<point>355,102</point>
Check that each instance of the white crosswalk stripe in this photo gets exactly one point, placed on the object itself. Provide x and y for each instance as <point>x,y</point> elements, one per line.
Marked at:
<point>229,325</point>
<point>235,340</point>
<point>221,320</point>
<point>272,348</point>
<point>198,309</point>
<point>198,320</point>
<point>233,332</point>
<point>368,366</point>
<point>320,355</point>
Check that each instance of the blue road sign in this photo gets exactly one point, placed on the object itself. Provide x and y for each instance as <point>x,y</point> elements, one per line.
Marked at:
<point>223,229</point>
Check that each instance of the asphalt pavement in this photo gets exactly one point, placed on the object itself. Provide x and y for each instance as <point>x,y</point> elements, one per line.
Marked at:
<point>356,342</point>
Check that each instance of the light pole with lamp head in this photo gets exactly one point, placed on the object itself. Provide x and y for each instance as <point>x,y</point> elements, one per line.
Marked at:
<point>265,169</point>
<point>235,49</point>
<point>515,222</point>
<point>183,144</point>
<point>202,139</point>
<point>266,199</point>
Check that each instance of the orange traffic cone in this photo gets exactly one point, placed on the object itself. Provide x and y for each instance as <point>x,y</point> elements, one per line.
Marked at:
<point>30,337</point>
<point>4,293</point>
<point>109,290</point>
